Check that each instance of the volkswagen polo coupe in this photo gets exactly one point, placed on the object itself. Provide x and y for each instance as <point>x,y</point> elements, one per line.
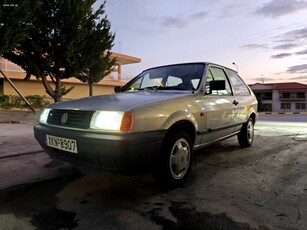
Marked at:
<point>153,123</point>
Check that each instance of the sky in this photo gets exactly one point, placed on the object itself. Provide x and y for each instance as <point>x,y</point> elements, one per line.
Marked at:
<point>266,39</point>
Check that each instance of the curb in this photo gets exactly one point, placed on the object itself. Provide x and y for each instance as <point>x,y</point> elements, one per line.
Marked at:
<point>21,154</point>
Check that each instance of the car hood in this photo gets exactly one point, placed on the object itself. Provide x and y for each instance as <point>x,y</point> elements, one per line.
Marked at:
<point>120,101</point>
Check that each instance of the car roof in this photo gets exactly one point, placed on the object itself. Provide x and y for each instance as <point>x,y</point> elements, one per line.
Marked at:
<point>188,63</point>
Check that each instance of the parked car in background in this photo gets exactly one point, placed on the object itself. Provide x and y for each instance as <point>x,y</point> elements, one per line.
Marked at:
<point>153,123</point>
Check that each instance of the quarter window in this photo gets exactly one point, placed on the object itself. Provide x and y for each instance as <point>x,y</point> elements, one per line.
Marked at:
<point>239,86</point>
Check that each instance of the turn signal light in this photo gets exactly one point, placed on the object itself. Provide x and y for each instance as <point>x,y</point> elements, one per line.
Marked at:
<point>127,121</point>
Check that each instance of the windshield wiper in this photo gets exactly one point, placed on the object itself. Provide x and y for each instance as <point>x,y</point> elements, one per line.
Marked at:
<point>174,88</point>
<point>163,88</point>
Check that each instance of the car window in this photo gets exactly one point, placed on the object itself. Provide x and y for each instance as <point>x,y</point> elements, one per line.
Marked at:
<point>173,81</point>
<point>195,82</point>
<point>173,77</point>
<point>147,81</point>
<point>215,74</point>
<point>239,86</point>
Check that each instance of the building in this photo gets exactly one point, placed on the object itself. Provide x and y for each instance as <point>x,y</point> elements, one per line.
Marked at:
<point>35,87</point>
<point>281,97</point>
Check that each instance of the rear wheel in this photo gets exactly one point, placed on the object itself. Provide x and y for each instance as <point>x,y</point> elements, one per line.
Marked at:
<point>174,163</point>
<point>246,135</point>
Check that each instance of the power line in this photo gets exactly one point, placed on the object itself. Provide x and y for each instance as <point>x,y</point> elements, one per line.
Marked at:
<point>218,47</point>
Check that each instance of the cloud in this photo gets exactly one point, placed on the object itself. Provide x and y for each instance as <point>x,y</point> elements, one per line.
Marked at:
<point>200,15</point>
<point>286,46</point>
<point>302,52</point>
<point>296,35</point>
<point>256,46</point>
<point>297,69</point>
<point>300,78</point>
<point>279,8</point>
<point>180,22</point>
<point>282,55</point>
<point>290,40</point>
<point>174,22</point>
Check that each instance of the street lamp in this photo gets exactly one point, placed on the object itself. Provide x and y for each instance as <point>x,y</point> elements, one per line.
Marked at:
<point>236,66</point>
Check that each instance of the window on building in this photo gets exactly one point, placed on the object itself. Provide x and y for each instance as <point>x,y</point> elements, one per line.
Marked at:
<point>264,96</point>
<point>285,95</point>
<point>267,96</point>
<point>266,107</point>
<point>285,106</point>
<point>300,95</point>
<point>300,106</point>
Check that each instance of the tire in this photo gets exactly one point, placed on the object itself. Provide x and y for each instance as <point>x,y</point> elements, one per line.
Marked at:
<point>175,159</point>
<point>246,135</point>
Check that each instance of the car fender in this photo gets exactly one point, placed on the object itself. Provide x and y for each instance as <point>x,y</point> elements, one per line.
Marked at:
<point>182,115</point>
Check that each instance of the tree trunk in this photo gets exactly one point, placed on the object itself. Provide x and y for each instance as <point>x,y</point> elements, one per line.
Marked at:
<point>55,94</point>
<point>90,89</point>
<point>58,90</point>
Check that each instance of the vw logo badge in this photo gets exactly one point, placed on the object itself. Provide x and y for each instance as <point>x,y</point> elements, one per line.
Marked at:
<point>64,118</point>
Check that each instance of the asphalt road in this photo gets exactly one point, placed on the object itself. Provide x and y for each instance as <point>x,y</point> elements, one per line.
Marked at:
<point>283,125</point>
<point>284,117</point>
<point>261,187</point>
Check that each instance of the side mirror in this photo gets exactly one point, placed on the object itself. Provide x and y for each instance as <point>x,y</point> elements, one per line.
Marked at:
<point>217,85</point>
<point>117,89</point>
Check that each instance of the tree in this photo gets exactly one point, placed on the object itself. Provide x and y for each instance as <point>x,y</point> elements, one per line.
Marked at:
<point>102,64</point>
<point>15,22</point>
<point>63,42</point>
<point>98,71</point>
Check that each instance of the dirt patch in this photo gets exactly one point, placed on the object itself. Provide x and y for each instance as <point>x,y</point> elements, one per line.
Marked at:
<point>14,116</point>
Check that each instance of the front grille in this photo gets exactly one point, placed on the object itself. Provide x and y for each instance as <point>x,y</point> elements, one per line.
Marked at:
<point>72,118</point>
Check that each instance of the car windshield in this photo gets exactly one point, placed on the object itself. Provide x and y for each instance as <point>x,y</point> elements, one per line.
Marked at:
<point>175,77</point>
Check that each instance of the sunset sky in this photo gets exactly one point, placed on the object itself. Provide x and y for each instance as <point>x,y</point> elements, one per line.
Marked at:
<point>267,39</point>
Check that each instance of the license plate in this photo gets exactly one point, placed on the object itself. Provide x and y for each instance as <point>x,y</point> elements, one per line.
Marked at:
<point>61,143</point>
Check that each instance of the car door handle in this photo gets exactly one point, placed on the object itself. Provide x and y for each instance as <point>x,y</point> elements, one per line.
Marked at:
<point>235,102</point>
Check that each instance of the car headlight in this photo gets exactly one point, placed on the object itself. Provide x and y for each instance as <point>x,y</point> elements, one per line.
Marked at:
<point>44,116</point>
<point>112,120</point>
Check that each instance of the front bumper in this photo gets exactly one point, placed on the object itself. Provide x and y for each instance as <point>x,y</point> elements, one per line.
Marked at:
<point>131,153</point>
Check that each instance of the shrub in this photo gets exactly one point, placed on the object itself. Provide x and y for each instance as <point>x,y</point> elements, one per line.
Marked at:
<point>15,101</point>
<point>4,101</point>
<point>35,100</point>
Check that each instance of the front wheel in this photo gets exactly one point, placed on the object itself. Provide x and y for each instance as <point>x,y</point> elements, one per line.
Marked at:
<point>175,159</point>
<point>246,135</point>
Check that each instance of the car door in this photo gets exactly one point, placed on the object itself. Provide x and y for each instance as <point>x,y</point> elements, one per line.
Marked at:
<point>218,107</point>
<point>242,96</point>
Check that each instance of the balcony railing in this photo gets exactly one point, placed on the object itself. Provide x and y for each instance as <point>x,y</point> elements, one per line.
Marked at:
<point>8,66</point>
<point>292,98</point>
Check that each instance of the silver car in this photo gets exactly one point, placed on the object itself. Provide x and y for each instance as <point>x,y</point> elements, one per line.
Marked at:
<point>153,123</point>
